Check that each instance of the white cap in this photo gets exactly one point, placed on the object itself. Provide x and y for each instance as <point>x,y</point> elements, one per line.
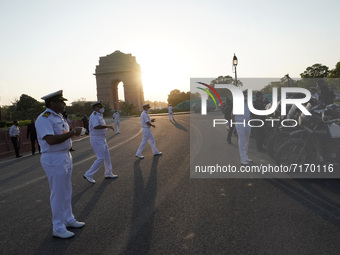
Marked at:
<point>99,102</point>
<point>58,95</point>
<point>148,105</point>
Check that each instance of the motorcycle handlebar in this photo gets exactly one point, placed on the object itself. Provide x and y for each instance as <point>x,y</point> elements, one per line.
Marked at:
<point>324,120</point>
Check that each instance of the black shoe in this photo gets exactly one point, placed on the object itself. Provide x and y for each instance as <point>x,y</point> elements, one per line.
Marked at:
<point>72,149</point>
<point>158,154</point>
<point>19,156</point>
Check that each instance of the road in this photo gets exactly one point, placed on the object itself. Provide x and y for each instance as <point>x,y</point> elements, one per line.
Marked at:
<point>154,207</point>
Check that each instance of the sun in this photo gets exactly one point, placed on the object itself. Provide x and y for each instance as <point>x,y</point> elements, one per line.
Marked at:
<point>162,69</point>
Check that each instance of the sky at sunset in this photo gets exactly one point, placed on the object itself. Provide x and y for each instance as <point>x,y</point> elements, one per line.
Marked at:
<point>52,45</point>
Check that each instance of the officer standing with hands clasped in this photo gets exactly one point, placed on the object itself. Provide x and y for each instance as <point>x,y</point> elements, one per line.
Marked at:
<point>115,117</point>
<point>97,128</point>
<point>54,137</point>
<point>147,135</point>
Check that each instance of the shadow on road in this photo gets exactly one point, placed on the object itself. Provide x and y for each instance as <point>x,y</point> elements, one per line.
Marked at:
<point>51,245</point>
<point>143,210</point>
<point>23,171</point>
<point>179,126</point>
<point>312,198</point>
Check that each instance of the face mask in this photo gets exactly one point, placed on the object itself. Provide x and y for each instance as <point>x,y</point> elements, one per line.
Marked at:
<point>101,110</point>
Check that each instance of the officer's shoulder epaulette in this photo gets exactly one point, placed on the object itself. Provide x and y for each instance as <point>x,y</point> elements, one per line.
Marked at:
<point>46,114</point>
<point>94,113</point>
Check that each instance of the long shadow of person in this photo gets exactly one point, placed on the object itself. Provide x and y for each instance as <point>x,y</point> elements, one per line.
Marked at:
<point>143,210</point>
<point>179,126</point>
<point>59,246</point>
<point>311,198</point>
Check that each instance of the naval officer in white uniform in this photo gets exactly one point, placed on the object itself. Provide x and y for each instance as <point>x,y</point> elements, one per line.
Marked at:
<point>54,137</point>
<point>115,117</point>
<point>97,128</point>
<point>147,135</point>
<point>171,113</point>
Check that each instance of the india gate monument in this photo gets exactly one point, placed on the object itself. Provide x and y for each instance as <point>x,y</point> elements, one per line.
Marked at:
<point>113,69</point>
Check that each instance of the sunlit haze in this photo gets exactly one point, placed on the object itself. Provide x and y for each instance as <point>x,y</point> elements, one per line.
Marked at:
<point>52,45</point>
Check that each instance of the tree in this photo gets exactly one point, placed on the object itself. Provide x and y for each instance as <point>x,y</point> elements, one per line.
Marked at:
<point>334,77</point>
<point>285,81</point>
<point>335,73</point>
<point>81,108</point>
<point>25,108</point>
<point>127,108</point>
<point>315,71</point>
<point>224,80</point>
<point>176,96</point>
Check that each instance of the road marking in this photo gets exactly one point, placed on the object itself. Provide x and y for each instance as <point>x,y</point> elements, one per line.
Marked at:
<point>75,164</point>
<point>110,148</point>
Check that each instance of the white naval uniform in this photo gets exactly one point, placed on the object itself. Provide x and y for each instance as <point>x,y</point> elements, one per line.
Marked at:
<point>99,145</point>
<point>170,109</point>
<point>115,116</point>
<point>243,133</point>
<point>56,161</point>
<point>147,135</point>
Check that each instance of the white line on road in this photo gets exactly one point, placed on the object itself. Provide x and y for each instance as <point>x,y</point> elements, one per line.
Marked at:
<point>75,164</point>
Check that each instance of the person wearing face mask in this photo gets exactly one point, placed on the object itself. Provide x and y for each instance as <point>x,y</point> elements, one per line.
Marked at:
<point>147,135</point>
<point>97,128</point>
<point>243,131</point>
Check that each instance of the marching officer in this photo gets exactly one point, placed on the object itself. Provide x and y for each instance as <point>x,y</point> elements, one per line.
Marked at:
<point>54,137</point>
<point>115,117</point>
<point>97,128</point>
<point>147,135</point>
<point>171,113</point>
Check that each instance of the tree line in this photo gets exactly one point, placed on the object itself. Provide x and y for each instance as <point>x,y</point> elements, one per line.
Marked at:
<point>29,108</point>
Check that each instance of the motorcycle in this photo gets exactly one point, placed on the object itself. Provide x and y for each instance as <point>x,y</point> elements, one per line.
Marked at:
<point>282,134</point>
<point>317,143</point>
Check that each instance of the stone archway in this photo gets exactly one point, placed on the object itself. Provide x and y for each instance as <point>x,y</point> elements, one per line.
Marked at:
<point>113,69</point>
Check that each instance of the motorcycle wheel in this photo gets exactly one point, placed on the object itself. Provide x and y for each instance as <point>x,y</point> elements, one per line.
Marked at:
<point>291,152</point>
<point>275,142</point>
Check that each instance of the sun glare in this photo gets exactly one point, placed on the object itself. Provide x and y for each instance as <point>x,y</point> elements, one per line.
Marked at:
<point>162,70</point>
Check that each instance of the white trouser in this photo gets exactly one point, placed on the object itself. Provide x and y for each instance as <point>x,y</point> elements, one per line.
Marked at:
<point>101,150</point>
<point>243,141</point>
<point>147,137</point>
<point>117,127</point>
<point>171,114</point>
<point>58,168</point>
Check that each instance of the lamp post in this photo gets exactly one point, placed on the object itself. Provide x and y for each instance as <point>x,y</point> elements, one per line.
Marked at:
<point>235,62</point>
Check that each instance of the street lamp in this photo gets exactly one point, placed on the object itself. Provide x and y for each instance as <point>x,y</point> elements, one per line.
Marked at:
<point>235,62</point>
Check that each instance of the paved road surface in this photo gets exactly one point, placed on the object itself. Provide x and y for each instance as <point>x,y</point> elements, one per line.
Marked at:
<point>154,207</point>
